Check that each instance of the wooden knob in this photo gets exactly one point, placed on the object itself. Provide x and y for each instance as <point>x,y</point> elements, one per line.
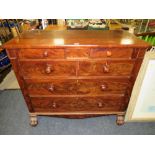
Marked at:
<point>48,69</point>
<point>106,68</point>
<point>109,54</point>
<point>103,87</point>
<point>54,105</point>
<point>51,88</point>
<point>100,105</point>
<point>45,54</point>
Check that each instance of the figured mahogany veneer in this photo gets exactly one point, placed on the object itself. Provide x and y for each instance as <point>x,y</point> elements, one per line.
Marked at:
<point>41,53</point>
<point>106,68</point>
<point>46,69</point>
<point>76,74</point>
<point>111,53</point>
<point>74,104</point>
<point>77,87</point>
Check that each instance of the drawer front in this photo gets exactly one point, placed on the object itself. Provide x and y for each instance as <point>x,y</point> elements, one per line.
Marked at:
<point>105,68</point>
<point>41,53</point>
<point>111,53</point>
<point>102,86</point>
<point>48,68</point>
<point>79,53</point>
<point>52,87</point>
<point>74,104</point>
<point>77,87</point>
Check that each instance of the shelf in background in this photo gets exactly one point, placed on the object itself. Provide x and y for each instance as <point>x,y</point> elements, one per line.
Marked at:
<point>146,33</point>
<point>3,58</point>
<point>5,67</point>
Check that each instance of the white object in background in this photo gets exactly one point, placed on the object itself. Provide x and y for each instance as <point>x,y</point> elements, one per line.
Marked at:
<point>9,82</point>
<point>44,23</point>
<point>61,21</point>
<point>131,30</point>
<point>152,49</point>
<point>142,102</point>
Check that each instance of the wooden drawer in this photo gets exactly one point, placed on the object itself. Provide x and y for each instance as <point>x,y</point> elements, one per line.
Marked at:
<point>105,68</point>
<point>77,87</point>
<point>41,53</point>
<point>48,68</point>
<point>77,53</point>
<point>111,53</point>
<point>102,86</point>
<point>74,104</point>
<point>51,87</point>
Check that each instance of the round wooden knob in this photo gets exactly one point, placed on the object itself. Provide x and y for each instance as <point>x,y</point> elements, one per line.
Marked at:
<point>103,87</point>
<point>100,105</point>
<point>48,69</point>
<point>45,54</point>
<point>106,68</point>
<point>54,105</point>
<point>109,54</point>
<point>51,88</point>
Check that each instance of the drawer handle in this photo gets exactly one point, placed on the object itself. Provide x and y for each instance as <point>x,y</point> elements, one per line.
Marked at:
<point>109,54</point>
<point>51,88</point>
<point>103,87</point>
<point>54,105</point>
<point>100,105</point>
<point>106,68</point>
<point>45,54</point>
<point>49,69</point>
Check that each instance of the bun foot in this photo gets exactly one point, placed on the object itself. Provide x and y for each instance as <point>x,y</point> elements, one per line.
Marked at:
<point>33,120</point>
<point>120,119</point>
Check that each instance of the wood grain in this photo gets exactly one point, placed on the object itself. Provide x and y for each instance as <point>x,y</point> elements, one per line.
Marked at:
<point>76,74</point>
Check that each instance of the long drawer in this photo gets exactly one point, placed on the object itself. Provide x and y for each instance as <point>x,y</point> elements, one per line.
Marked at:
<point>73,104</point>
<point>76,86</point>
<point>72,68</point>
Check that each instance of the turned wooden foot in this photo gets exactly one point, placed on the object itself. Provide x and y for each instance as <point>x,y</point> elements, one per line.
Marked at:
<point>33,120</point>
<point>120,119</point>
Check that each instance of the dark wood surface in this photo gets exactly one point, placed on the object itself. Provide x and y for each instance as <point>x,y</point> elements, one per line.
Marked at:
<point>73,104</point>
<point>82,38</point>
<point>90,73</point>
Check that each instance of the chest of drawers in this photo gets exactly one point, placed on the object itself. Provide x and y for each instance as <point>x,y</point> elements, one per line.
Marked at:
<point>76,74</point>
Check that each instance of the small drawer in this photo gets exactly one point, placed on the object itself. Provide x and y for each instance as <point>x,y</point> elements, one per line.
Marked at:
<point>46,69</point>
<point>51,87</point>
<point>77,53</point>
<point>106,68</point>
<point>102,86</point>
<point>41,53</point>
<point>74,104</point>
<point>111,53</point>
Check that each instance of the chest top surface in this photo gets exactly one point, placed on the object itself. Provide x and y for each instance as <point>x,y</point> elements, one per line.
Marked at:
<point>75,38</point>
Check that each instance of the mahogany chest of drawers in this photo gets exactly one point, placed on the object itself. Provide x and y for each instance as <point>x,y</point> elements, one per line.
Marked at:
<point>76,74</point>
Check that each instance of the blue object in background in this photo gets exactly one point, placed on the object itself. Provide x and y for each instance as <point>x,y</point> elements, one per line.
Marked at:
<point>4,60</point>
<point>2,54</point>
